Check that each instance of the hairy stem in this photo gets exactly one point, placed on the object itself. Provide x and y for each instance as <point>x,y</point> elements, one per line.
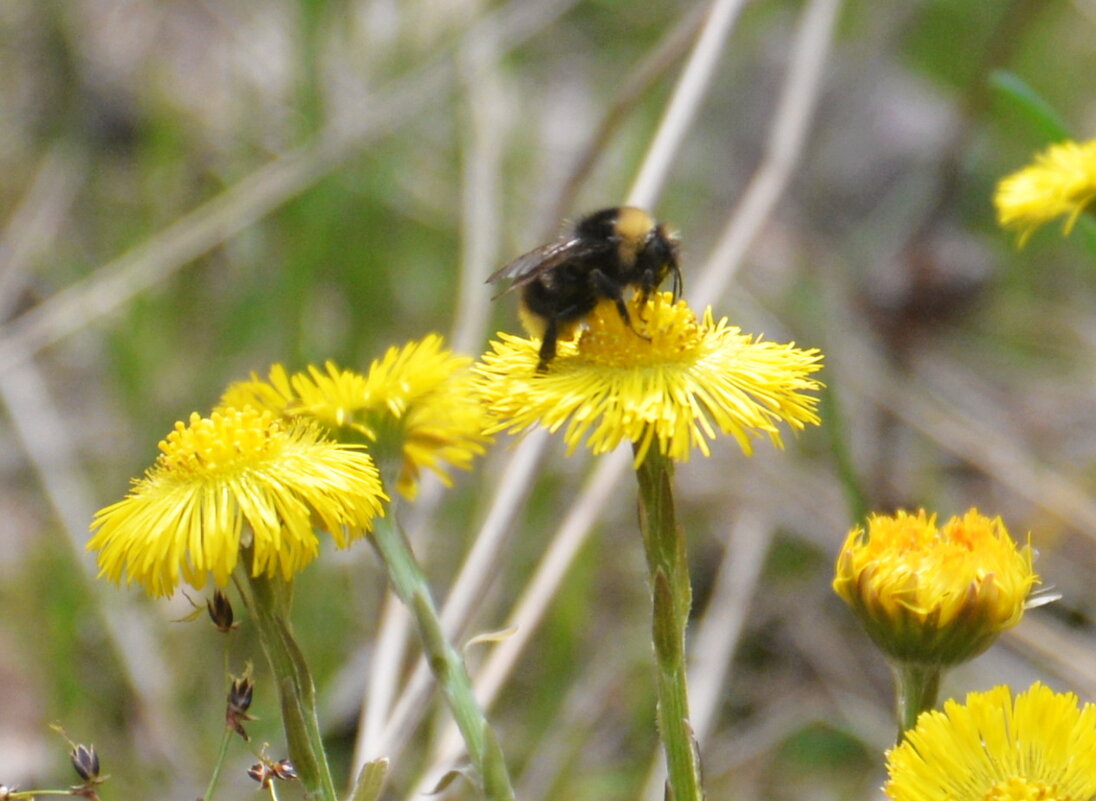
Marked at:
<point>446,663</point>
<point>269,601</point>
<point>671,594</point>
<point>917,687</point>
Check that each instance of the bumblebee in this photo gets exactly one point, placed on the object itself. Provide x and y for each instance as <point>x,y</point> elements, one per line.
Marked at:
<point>604,254</point>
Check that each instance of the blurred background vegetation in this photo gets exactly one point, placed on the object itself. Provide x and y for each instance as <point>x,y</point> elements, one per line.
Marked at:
<point>194,189</point>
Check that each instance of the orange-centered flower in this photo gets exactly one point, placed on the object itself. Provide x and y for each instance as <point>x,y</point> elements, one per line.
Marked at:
<point>934,596</point>
<point>668,381</point>
<point>239,479</point>
<point>1038,746</point>
<point>416,400</point>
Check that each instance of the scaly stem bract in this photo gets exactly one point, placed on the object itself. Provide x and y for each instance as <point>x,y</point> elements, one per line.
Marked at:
<point>671,593</point>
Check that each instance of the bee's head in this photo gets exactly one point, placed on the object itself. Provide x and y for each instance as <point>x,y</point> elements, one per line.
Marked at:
<point>659,258</point>
<point>646,252</point>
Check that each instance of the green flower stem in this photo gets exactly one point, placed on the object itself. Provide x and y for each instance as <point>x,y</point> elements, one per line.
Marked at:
<point>208,795</point>
<point>672,596</point>
<point>269,601</point>
<point>447,665</point>
<point>917,687</point>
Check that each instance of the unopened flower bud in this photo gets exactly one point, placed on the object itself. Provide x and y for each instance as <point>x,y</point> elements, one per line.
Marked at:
<point>239,700</point>
<point>934,596</point>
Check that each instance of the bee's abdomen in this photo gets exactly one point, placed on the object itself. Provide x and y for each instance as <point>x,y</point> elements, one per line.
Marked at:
<point>560,297</point>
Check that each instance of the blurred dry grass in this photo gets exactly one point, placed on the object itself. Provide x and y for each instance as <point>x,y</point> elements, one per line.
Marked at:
<point>196,189</point>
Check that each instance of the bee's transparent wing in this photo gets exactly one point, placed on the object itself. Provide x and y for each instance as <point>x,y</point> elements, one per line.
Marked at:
<point>527,267</point>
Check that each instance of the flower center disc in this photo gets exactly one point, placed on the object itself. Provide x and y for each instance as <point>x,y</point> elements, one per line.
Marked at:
<point>1021,789</point>
<point>222,441</point>
<point>662,331</point>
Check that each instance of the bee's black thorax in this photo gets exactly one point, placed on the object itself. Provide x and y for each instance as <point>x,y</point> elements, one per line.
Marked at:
<point>571,290</point>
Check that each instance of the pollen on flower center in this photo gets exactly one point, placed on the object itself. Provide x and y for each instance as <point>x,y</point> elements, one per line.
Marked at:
<point>241,484</point>
<point>224,440</point>
<point>662,331</point>
<point>1017,788</point>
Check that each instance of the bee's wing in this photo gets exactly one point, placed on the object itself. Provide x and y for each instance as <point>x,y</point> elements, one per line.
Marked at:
<point>527,267</point>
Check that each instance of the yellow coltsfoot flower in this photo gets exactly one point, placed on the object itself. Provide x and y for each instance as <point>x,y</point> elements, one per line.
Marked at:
<point>673,382</point>
<point>1060,183</point>
<point>418,395</point>
<point>1038,746</point>
<point>239,479</point>
<point>934,596</point>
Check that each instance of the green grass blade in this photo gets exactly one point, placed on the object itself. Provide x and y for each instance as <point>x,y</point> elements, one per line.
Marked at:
<point>1031,104</point>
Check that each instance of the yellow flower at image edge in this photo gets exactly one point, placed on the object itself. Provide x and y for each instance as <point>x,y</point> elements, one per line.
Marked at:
<point>1061,182</point>
<point>239,478</point>
<point>674,381</point>
<point>934,596</point>
<point>418,394</point>
<point>1038,746</point>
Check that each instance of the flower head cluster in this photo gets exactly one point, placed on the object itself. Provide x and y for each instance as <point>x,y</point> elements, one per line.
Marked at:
<point>1038,745</point>
<point>1060,183</point>
<point>671,382</point>
<point>934,596</point>
<point>239,479</point>
<point>416,397</point>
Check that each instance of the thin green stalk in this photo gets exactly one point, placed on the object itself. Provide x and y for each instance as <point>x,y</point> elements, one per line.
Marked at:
<point>446,663</point>
<point>269,601</point>
<point>671,592</point>
<point>917,687</point>
<point>208,795</point>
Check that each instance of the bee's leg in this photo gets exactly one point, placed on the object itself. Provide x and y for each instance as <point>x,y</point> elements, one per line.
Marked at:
<point>548,344</point>
<point>646,286</point>
<point>610,290</point>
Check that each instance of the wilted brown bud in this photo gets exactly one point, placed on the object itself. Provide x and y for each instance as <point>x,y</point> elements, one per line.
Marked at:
<point>239,697</point>
<point>283,769</point>
<point>239,700</point>
<point>220,612</point>
<point>261,773</point>
<point>85,762</point>
<point>266,771</point>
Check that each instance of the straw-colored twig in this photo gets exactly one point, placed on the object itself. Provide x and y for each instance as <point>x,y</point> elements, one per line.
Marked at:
<point>638,83</point>
<point>796,105</point>
<point>475,573</point>
<point>34,223</point>
<point>50,447</point>
<point>485,125</point>
<point>116,283</point>
<point>480,211</point>
<point>967,436</point>
<point>388,650</point>
<point>798,99</point>
<point>797,102</point>
<point>587,508</point>
<point>690,91</point>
